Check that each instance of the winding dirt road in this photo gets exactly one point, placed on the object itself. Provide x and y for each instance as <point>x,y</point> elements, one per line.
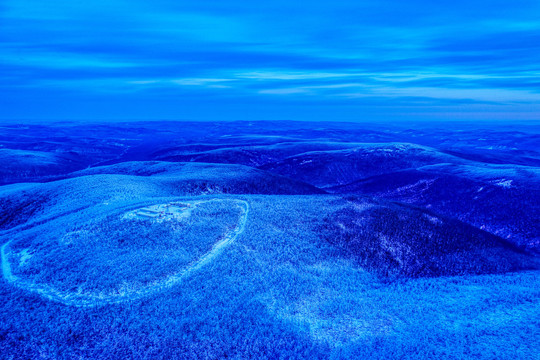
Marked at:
<point>99,299</point>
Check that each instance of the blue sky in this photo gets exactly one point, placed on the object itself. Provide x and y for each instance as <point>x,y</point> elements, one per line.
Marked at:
<point>225,60</point>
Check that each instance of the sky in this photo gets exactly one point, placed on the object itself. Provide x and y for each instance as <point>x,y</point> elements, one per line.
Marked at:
<point>350,60</point>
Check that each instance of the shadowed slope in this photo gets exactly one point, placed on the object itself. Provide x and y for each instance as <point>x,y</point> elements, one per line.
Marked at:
<point>396,239</point>
<point>502,201</point>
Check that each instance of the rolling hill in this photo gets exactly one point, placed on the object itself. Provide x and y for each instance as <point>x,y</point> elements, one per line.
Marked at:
<point>499,199</point>
<point>134,180</point>
<point>268,240</point>
<point>339,167</point>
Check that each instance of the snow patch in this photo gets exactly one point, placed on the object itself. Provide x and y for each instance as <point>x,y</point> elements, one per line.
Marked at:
<point>25,256</point>
<point>504,183</point>
<point>161,212</point>
<point>433,219</point>
<point>421,185</point>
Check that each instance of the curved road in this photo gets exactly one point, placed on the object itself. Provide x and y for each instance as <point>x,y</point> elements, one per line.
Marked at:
<point>98,299</point>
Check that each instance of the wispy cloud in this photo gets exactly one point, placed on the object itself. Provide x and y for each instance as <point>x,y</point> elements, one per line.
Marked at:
<point>274,54</point>
<point>199,81</point>
<point>277,75</point>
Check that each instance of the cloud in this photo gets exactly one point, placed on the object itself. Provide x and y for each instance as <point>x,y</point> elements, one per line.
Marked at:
<point>281,75</point>
<point>199,81</point>
<point>273,53</point>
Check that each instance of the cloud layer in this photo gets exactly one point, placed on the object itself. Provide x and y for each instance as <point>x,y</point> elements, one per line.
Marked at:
<point>355,60</point>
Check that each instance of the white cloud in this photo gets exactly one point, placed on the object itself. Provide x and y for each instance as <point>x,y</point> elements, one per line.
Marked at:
<point>490,95</point>
<point>63,60</point>
<point>285,91</point>
<point>199,81</point>
<point>271,75</point>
